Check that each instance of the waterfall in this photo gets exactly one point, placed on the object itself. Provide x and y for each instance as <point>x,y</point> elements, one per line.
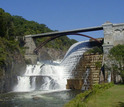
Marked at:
<point>51,76</point>
<point>86,82</point>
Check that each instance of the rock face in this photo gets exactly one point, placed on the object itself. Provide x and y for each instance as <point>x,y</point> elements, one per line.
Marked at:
<point>92,62</point>
<point>74,83</point>
<point>50,54</point>
<point>15,65</point>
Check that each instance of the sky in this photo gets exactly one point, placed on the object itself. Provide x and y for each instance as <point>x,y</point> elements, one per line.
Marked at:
<point>64,15</point>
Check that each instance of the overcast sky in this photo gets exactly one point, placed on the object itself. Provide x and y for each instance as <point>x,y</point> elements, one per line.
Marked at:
<point>68,14</point>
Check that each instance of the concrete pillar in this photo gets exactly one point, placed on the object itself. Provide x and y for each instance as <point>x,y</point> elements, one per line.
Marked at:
<point>108,37</point>
<point>29,51</point>
<point>108,44</point>
<point>113,35</point>
<point>30,45</point>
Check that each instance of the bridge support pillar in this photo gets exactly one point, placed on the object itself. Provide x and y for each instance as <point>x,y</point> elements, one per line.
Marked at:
<point>113,35</point>
<point>29,52</point>
<point>108,44</point>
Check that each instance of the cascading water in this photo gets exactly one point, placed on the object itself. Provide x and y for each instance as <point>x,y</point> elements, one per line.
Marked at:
<point>73,56</point>
<point>85,76</point>
<point>52,76</point>
<point>41,77</point>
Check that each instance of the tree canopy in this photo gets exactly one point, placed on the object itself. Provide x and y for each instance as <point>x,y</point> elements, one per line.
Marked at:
<point>117,53</point>
<point>12,26</point>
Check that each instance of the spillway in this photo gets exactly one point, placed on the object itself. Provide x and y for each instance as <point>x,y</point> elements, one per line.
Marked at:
<point>54,75</point>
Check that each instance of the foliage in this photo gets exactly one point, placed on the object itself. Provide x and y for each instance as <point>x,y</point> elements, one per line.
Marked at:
<point>95,50</point>
<point>98,64</point>
<point>12,26</point>
<point>81,99</point>
<point>117,57</point>
<point>7,28</point>
<point>8,48</point>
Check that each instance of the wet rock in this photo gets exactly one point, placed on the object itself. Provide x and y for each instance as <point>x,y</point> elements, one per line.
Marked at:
<point>36,98</point>
<point>50,54</point>
<point>1,100</point>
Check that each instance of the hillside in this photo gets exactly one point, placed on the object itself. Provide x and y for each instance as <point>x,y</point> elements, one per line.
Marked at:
<point>13,26</point>
<point>12,52</point>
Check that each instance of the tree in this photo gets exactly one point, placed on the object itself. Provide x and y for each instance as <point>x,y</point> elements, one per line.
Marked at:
<point>117,57</point>
<point>12,26</point>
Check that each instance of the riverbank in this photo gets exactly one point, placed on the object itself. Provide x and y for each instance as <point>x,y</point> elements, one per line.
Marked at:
<point>112,97</point>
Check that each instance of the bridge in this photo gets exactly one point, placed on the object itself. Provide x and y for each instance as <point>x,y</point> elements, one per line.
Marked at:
<point>68,32</point>
<point>113,35</point>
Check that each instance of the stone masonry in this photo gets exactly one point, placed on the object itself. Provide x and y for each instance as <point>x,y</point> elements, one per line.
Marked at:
<point>91,61</point>
<point>30,46</point>
<point>113,35</point>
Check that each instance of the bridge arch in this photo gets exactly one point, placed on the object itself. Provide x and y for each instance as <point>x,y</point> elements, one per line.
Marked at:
<point>52,38</point>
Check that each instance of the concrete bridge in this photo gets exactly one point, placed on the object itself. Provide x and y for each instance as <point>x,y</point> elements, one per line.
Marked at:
<point>113,35</point>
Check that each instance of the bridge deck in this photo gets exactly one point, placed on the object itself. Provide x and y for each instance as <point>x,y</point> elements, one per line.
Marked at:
<point>66,32</point>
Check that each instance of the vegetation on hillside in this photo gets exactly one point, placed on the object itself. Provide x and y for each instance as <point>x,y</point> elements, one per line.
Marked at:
<point>13,26</point>
<point>95,50</point>
<point>117,60</point>
<point>8,51</point>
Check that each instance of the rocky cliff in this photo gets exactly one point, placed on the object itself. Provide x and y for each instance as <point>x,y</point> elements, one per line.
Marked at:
<point>50,54</point>
<point>14,65</point>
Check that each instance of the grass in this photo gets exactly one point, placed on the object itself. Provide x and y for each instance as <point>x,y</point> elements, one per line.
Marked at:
<point>113,97</point>
<point>105,95</point>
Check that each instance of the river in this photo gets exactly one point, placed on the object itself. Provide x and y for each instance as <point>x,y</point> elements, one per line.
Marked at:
<point>37,98</point>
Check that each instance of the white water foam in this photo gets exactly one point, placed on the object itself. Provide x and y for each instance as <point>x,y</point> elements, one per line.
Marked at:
<point>51,76</point>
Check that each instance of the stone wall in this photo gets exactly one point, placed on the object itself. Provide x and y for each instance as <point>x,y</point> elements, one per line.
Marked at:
<point>29,52</point>
<point>74,83</point>
<point>91,61</point>
<point>50,54</point>
<point>44,53</point>
<point>113,35</point>
<point>31,59</point>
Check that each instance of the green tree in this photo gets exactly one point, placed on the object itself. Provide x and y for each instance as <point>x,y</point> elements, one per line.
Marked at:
<point>11,26</point>
<point>117,57</point>
<point>7,28</point>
